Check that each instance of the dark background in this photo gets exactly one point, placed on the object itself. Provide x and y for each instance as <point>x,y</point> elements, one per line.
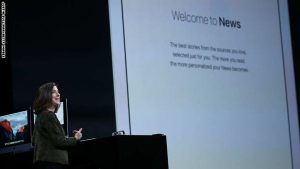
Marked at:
<point>68,41</point>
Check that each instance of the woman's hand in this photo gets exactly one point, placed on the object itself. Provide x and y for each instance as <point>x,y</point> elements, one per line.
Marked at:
<point>77,134</point>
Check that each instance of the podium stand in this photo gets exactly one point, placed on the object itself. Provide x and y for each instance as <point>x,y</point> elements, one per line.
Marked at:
<point>115,152</point>
<point>122,151</point>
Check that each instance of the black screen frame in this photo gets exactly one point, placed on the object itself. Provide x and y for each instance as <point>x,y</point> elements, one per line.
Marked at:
<point>66,116</point>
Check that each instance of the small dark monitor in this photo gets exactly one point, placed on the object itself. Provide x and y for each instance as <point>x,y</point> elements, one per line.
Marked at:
<point>61,114</point>
<point>15,129</point>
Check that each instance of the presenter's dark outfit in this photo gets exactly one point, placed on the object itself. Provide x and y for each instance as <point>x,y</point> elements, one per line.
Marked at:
<point>50,142</point>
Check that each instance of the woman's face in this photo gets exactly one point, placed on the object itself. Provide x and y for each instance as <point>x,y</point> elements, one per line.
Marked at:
<point>55,96</point>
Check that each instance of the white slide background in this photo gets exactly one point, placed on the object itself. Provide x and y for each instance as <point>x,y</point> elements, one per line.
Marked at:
<point>220,109</point>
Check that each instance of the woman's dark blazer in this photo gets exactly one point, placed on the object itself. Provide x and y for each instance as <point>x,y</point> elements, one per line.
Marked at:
<point>49,140</point>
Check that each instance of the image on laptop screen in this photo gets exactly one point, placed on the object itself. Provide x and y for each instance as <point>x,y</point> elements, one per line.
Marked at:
<point>14,129</point>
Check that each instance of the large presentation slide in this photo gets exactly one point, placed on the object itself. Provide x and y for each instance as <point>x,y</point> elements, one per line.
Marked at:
<point>210,75</point>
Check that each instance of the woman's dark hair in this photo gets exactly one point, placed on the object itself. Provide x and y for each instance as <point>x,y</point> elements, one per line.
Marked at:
<point>43,98</point>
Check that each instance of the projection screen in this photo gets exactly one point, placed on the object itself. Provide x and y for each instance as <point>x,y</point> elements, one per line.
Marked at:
<point>216,77</point>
